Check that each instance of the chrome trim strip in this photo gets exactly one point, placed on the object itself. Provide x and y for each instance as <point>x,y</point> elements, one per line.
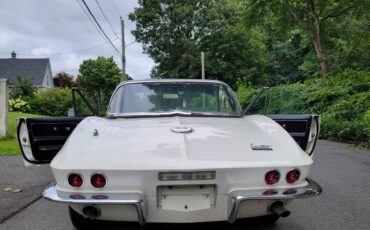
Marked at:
<point>135,199</point>
<point>237,197</point>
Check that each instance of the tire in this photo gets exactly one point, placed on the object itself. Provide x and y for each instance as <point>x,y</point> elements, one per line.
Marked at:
<point>79,221</point>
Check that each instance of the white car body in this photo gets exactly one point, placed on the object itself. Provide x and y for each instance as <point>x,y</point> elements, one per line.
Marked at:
<point>132,152</point>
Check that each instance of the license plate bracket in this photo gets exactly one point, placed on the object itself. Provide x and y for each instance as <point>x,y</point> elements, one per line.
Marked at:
<point>186,197</point>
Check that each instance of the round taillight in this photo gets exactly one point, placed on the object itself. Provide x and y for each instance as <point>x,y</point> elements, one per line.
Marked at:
<point>292,176</point>
<point>75,180</point>
<point>272,177</point>
<point>98,181</point>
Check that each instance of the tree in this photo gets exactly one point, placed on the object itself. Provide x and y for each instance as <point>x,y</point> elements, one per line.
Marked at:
<point>23,88</point>
<point>175,32</point>
<point>286,58</point>
<point>98,79</point>
<point>315,17</point>
<point>63,79</point>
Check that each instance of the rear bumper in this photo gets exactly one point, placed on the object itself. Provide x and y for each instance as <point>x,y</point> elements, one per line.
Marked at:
<point>237,197</point>
<point>139,201</point>
<point>135,199</point>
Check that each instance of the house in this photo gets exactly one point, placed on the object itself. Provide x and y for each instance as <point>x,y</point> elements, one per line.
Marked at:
<point>36,70</point>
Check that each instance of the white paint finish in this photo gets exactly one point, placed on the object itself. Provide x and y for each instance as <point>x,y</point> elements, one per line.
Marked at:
<point>25,141</point>
<point>217,144</point>
<point>146,182</point>
<point>4,95</point>
<point>149,144</point>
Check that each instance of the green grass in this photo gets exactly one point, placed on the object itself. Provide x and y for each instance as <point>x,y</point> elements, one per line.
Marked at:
<point>9,145</point>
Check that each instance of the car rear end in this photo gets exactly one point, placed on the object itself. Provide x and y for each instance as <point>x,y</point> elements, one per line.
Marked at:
<point>182,196</point>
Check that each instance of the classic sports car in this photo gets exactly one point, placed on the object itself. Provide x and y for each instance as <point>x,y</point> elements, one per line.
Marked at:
<point>174,151</point>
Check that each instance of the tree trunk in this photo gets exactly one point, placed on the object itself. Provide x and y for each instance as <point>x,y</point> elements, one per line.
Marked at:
<point>320,49</point>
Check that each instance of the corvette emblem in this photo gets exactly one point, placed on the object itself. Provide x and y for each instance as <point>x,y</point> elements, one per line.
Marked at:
<point>261,147</point>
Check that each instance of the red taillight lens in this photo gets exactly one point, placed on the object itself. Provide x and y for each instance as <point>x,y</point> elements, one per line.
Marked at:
<point>272,177</point>
<point>270,192</point>
<point>292,176</point>
<point>75,180</point>
<point>98,181</point>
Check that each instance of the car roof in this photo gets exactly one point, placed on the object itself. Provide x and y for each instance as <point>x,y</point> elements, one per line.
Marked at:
<point>170,80</point>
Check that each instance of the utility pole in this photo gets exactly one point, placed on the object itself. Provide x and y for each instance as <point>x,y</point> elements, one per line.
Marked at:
<point>203,78</point>
<point>123,49</point>
<point>203,69</point>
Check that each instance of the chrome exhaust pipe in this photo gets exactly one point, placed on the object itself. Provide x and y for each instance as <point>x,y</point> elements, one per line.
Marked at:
<point>278,209</point>
<point>91,212</point>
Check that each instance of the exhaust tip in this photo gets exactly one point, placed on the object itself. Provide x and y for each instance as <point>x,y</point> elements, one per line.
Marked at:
<point>92,212</point>
<point>285,213</point>
<point>278,208</point>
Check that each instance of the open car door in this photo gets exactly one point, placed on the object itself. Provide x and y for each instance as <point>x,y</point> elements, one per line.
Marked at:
<point>41,138</point>
<point>304,128</point>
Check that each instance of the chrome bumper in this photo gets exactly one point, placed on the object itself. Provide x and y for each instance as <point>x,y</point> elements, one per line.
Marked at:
<point>237,197</point>
<point>135,199</point>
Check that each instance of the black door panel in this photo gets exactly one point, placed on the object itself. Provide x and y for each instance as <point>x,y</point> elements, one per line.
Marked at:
<point>299,127</point>
<point>46,135</point>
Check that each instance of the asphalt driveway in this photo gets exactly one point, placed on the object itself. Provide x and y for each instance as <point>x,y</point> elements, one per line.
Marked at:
<point>14,175</point>
<point>343,173</point>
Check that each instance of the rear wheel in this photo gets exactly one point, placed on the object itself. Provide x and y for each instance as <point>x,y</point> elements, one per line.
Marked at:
<point>79,221</point>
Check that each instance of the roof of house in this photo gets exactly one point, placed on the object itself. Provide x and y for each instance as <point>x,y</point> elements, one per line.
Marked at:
<point>33,69</point>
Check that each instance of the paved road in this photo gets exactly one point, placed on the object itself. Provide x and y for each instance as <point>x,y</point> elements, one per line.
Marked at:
<point>345,203</point>
<point>13,174</point>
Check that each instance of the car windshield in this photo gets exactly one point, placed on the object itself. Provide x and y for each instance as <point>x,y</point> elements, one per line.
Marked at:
<point>183,98</point>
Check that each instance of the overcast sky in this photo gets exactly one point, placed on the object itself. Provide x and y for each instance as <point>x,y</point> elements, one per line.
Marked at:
<point>46,28</point>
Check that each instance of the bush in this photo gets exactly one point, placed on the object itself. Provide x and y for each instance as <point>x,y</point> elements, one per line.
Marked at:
<point>287,99</point>
<point>54,102</point>
<point>245,94</point>
<point>345,120</point>
<point>322,92</point>
<point>342,100</point>
<point>18,105</point>
<point>23,88</point>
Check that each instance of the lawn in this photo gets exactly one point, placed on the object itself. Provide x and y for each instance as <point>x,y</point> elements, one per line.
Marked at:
<point>9,145</point>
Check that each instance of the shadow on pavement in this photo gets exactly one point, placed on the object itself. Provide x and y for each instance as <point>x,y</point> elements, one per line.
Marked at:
<point>250,223</point>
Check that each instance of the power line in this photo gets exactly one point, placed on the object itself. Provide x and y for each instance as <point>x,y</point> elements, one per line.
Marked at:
<point>118,11</point>
<point>97,23</point>
<point>116,7</point>
<point>61,53</point>
<point>106,19</point>
<point>133,42</point>
<point>90,19</point>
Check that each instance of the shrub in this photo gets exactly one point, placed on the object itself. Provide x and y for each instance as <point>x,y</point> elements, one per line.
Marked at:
<point>245,94</point>
<point>18,105</point>
<point>287,99</point>
<point>342,100</point>
<point>23,88</point>
<point>345,120</point>
<point>54,102</point>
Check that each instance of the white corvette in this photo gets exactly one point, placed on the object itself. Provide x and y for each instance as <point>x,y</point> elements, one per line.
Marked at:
<point>174,151</point>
